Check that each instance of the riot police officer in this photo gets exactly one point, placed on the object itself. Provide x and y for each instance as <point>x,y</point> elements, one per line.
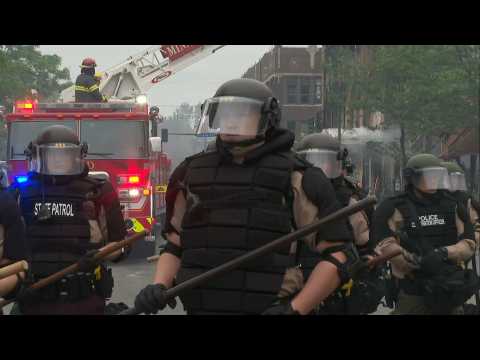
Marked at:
<point>69,216</point>
<point>363,295</point>
<point>435,236</point>
<point>242,194</point>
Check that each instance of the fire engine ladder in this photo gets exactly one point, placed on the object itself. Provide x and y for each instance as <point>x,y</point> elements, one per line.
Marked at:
<point>139,73</point>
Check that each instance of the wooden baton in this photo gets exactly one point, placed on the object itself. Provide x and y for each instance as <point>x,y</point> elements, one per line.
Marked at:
<point>99,257</point>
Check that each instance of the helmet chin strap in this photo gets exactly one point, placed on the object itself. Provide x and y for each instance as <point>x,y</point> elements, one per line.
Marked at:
<point>229,145</point>
<point>428,196</point>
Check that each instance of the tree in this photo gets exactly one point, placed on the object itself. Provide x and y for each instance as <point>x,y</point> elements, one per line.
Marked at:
<point>22,68</point>
<point>423,89</point>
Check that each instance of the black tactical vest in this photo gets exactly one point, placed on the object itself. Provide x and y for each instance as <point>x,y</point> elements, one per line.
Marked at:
<point>233,209</point>
<point>61,240</point>
<point>428,224</point>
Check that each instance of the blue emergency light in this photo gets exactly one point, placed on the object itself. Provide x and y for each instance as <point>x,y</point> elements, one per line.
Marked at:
<point>21,179</point>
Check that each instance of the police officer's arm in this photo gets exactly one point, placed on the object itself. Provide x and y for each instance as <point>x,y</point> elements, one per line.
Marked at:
<point>464,249</point>
<point>169,262</point>
<point>386,221</point>
<point>314,199</point>
<point>473,205</point>
<point>9,284</point>
<point>359,224</point>
<point>112,219</point>
<point>12,240</point>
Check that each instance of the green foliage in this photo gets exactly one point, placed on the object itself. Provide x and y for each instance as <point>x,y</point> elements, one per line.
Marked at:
<point>24,67</point>
<point>424,88</point>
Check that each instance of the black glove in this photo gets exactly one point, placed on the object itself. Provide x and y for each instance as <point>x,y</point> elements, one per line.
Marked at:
<point>24,293</point>
<point>87,263</point>
<point>153,298</point>
<point>281,309</point>
<point>434,262</point>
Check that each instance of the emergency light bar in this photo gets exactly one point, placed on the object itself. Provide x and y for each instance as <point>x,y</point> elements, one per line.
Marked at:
<point>21,179</point>
<point>92,107</point>
<point>25,106</point>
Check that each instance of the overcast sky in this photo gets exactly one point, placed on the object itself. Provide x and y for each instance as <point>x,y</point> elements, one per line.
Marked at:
<point>193,84</point>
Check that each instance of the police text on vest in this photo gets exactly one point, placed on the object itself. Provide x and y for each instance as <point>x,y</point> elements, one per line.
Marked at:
<point>56,209</point>
<point>431,220</point>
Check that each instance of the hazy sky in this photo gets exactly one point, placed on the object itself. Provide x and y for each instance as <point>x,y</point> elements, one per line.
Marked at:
<point>193,84</point>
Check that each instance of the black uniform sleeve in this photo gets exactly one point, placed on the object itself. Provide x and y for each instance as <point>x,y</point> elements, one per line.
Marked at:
<point>15,246</point>
<point>380,229</point>
<point>114,217</point>
<point>175,184</point>
<point>320,192</point>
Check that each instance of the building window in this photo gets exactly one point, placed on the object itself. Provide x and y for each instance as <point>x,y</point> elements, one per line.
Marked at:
<point>306,92</point>
<point>292,90</point>
<point>318,91</point>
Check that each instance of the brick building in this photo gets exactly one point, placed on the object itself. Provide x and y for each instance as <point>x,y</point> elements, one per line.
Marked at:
<point>295,75</point>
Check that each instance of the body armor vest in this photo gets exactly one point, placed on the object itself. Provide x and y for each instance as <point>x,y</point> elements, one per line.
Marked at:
<point>233,209</point>
<point>62,239</point>
<point>427,225</point>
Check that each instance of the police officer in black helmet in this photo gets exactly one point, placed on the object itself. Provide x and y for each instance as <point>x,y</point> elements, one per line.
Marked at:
<point>363,295</point>
<point>249,190</point>
<point>69,216</point>
<point>436,237</point>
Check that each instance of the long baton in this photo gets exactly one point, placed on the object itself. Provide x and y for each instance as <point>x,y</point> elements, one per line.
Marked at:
<point>263,250</point>
<point>99,257</point>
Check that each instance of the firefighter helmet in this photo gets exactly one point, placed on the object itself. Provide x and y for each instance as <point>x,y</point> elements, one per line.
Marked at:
<point>88,63</point>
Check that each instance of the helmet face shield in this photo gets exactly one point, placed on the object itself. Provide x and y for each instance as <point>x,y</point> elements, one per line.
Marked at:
<point>230,115</point>
<point>58,159</point>
<point>327,160</point>
<point>458,182</point>
<point>431,178</point>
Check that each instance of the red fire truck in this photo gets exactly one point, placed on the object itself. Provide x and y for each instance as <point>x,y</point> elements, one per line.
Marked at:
<point>117,134</point>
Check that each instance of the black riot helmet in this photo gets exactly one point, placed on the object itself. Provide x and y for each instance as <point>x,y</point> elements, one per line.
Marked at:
<point>57,151</point>
<point>426,173</point>
<point>323,151</point>
<point>244,109</point>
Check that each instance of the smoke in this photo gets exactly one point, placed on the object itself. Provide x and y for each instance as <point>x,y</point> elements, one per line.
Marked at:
<point>374,154</point>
